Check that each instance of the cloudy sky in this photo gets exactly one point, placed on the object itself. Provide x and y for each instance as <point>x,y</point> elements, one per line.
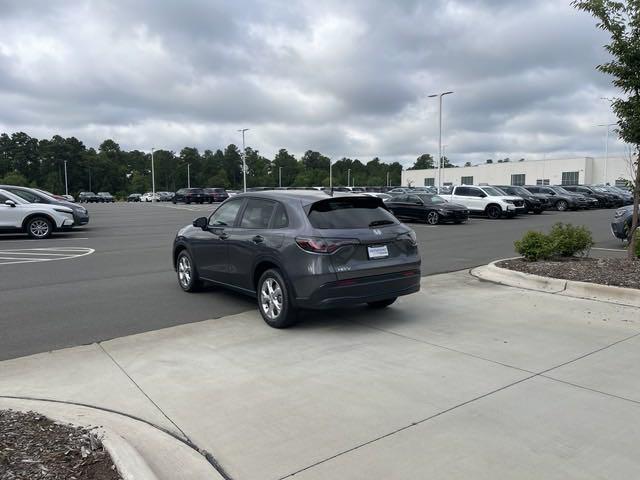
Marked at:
<point>347,78</point>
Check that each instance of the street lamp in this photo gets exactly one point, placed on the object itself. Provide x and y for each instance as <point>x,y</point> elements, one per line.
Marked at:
<point>244,166</point>
<point>188,175</point>
<point>606,147</point>
<point>348,177</point>
<point>440,95</point>
<point>66,185</point>
<point>280,177</point>
<point>153,179</point>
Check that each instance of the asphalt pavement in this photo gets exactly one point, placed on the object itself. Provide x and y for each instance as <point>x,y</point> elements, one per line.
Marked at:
<point>54,294</point>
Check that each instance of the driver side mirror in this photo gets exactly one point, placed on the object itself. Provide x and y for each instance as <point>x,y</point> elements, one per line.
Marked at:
<point>482,195</point>
<point>11,203</point>
<point>201,222</point>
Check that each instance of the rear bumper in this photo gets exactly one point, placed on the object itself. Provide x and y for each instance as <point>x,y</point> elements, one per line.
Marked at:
<point>362,290</point>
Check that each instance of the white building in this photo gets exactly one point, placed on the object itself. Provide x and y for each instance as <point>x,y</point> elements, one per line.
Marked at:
<point>570,171</point>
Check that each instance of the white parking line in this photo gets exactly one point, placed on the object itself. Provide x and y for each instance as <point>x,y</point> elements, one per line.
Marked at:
<point>35,255</point>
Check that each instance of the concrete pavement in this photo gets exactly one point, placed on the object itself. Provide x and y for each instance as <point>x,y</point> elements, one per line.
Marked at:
<point>466,379</point>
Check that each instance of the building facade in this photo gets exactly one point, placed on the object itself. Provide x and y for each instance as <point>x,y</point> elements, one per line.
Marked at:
<point>570,171</point>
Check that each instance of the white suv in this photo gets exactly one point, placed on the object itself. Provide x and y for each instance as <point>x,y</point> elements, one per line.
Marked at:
<point>38,220</point>
<point>485,200</point>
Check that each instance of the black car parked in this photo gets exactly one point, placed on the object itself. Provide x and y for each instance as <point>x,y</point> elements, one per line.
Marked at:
<point>32,195</point>
<point>215,195</point>
<point>557,199</point>
<point>535,203</point>
<point>105,197</point>
<point>134,197</point>
<point>300,249</point>
<point>425,207</point>
<point>87,197</point>
<point>189,195</point>
<point>604,199</point>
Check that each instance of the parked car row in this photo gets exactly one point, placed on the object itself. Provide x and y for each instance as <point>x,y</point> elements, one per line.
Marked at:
<point>37,213</point>
<point>100,197</point>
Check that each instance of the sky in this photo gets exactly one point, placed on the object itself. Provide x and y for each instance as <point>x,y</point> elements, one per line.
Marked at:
<point>345,77</point>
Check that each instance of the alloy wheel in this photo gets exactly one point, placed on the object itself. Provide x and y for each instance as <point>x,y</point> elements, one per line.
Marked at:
<point>39,228</point>
<point>271,298</point>
<point>433,218</point>
<point>184,271</point>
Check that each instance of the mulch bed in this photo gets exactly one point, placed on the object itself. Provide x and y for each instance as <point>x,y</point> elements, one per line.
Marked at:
<point>619,272</point>
<point>34,447</point>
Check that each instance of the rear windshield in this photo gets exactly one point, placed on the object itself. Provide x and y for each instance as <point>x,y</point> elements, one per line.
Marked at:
<point>350,212</point>
<point>195,190</point>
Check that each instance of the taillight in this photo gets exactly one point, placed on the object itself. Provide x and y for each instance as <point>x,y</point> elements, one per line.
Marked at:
<point>410,237</point>
<point>324,245</point>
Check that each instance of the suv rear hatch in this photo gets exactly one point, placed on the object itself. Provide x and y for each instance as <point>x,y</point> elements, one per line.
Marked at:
<point>364,237</point>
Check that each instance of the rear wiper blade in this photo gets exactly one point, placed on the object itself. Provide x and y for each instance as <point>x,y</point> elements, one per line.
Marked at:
<point>377,223</point>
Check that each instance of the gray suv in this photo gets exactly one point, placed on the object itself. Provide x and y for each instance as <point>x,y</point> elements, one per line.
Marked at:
<point>300,249</point>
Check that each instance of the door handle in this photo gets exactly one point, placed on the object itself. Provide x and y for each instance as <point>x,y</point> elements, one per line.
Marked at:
<point>258,239</point>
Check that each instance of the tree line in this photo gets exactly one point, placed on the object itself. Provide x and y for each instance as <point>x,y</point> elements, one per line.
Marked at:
<point>27,161</point>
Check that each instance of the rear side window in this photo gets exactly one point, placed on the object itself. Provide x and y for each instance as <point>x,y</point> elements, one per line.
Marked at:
<point>349,212</point>
<point>257,214</point>
<point>280,219</point>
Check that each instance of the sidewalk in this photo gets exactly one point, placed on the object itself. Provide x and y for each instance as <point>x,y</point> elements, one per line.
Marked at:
<point>466,379</point>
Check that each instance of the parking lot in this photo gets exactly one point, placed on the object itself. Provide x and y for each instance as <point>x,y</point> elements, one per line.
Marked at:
<point>114,277</point>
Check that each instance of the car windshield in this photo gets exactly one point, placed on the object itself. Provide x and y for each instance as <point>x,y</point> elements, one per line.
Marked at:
<point>493,192</point>
<point>432,199</point>
<point>561,190</point>
<point>349,212</point>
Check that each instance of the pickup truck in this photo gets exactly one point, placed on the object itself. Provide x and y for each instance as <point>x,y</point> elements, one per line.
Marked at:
<point>487,201</point>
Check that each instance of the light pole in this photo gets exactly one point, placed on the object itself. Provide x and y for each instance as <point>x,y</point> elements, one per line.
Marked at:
<point>439,95</point>
<point>330,176</point>
<point>188,175</point>
<point>606,147</point>
<point>388,178</point>
<point>244,166</point>
<point>153,179</point>
<point>348,177</point>
<point>66,185</point>
<point>280,177</point>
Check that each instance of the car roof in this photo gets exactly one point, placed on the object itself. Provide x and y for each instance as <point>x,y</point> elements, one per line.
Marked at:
<point>305,196</point>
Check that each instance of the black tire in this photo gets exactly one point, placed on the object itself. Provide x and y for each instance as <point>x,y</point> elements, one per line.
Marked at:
<point>538,211</point>
<point>174,202</point>
<point>494,212</point>
<point>562,205</point>
<point>39,228</point>
<point>274,300</point>
<point>433,218</point>
<point>188,277</point>
<point>458,222</point>
<point>382,303</point>
<point>187,202</point>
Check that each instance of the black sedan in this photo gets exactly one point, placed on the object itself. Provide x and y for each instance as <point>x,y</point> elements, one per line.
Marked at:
<point>189,195</point>
<point>300,249</point>
<point>427,207</point>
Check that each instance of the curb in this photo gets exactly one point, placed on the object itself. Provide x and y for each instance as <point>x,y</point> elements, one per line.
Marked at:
<point>569,288</point>
<point>138,450</point>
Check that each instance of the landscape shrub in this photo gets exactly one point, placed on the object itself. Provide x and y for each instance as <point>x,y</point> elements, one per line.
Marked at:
<point>569,240</point>
<point>535,246</point>
<point>564,240</point>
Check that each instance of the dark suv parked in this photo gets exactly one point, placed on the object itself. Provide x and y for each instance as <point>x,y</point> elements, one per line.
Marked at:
<point>604,199</point>
<point>557,199</point>
<point>189,195</point>
<point>300,249</point>
<point>215,195</point>
<point>621,223</point>
<point>533,202</point>
<point>87,197</point>
<point>105,197</point>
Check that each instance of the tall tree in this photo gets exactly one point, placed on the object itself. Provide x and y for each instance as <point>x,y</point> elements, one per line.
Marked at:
<point>423,161</point>
<point>621,20</point>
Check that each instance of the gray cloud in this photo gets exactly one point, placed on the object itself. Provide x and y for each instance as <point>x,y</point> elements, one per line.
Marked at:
<point>346,78</point>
